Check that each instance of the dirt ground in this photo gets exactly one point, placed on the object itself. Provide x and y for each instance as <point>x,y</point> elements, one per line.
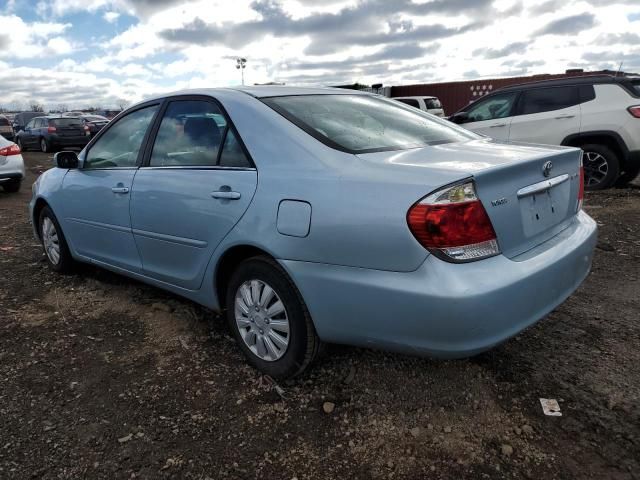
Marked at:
<point>105,377</point>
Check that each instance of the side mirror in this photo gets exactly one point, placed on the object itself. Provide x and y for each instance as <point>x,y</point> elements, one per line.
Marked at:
<point>460,117</point>
<point>66,159</point>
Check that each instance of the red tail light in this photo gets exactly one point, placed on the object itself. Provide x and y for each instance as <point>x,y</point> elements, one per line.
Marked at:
<point>581,187</point>
<point>635,111</point>
<point>453,223</point>
<point>10,150</point>
<point>51,129</point>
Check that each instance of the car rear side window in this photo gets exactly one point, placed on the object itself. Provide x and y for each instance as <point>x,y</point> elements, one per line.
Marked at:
<point>636,86</point>
<point>232,153</point>
<point>542,100</point>
<point>432,103</point>
<point>587,93</point>
<point>4,122</point>
<point>120,144</point>
<point>364,123</point>
<point>412,102</point>
<point>190,135</point>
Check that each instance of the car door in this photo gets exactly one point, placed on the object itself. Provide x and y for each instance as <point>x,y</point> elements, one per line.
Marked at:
<point>27,136</point>
<point>546,115</point>
<point>492,116</point>
<point>96,196</point>
<point>196,184</point>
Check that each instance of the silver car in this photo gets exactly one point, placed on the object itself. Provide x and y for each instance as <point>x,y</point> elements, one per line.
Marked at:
<point>319,215</point>
<point>11,166</point>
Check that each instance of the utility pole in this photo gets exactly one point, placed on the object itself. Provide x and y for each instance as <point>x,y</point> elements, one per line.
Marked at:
<point>241,63</point>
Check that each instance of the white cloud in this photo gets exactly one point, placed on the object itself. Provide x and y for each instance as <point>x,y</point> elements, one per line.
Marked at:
<point>111,17</point>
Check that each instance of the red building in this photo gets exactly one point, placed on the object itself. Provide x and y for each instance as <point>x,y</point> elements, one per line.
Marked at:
<point>455,95</point>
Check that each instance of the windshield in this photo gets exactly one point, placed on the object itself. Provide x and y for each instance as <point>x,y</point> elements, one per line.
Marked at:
<point>95,118</point>
<point>363,123</point>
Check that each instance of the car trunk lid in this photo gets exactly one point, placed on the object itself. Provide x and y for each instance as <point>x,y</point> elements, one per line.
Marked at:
<point>525,205</point>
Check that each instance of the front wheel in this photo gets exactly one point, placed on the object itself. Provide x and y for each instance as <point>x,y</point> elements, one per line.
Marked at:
<point>44,146</point>
<point>54,243</point>
<point>601,167</point>
<point>12,186</point>
<point>20,145</point>
<point>269,319</point>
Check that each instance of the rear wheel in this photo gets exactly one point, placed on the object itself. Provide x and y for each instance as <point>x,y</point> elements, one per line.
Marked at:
<point>19,143</point>
<point>12,186</point>
<point>55,245</point>
<point>269,319</point>
<point>601,167</point>
<point>44,145</point>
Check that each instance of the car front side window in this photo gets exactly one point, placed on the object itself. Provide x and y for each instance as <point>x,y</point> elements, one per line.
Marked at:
<point>190,135</point>
<point>119,146</point>
<point>498,106</point>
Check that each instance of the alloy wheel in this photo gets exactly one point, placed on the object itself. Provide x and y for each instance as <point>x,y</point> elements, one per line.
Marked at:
<point>261,319</point>
<point>51,241</point>
<point>595,167</point>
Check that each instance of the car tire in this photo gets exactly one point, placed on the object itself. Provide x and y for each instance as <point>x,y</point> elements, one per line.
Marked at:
<point>601,165</point>
<point>12,186</point>
<point>44,145</point>
<point>54,242</point>
<point>254,328</point>
<point>20,145</point>
<point>628,176</point>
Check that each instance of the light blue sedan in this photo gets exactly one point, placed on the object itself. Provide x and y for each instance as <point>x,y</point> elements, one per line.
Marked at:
<point>321,215</point>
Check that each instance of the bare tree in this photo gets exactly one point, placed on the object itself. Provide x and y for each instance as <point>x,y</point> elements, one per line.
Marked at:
<point>36,107</point>
<point>63,108</point>
<point>122,104</point>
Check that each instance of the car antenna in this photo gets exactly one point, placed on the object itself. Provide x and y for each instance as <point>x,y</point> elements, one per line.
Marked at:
<point>619,68</point>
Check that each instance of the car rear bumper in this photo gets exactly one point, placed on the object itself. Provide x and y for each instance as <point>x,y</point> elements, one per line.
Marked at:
<point>12,168</point>
<point>75,141</point>
<point>442,309</point>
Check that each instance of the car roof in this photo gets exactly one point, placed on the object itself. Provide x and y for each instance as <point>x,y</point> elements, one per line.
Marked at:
<point>415,96</point>
<point>559,82</point>
<point>261,91</point>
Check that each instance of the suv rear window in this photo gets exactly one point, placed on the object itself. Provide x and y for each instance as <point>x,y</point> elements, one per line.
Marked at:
<point>67,122</point>
<point>4,122</point>
<point>432,103</point>
<point>362,123</point>
<point>412,102</point>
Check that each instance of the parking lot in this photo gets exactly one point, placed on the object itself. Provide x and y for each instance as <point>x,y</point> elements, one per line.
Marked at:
<point>105,377</point>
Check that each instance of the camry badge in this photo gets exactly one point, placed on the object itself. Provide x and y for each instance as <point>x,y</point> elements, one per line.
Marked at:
<point>546,168</point>
<point>498,202</point>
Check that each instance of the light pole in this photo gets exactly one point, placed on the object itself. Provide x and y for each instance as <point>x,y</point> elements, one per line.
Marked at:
<point>241,63</point>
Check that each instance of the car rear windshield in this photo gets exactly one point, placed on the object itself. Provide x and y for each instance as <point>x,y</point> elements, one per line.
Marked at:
<point>96,118</point>
<point>67,122</point>
<point>363,123</point>
<point>4,122</point>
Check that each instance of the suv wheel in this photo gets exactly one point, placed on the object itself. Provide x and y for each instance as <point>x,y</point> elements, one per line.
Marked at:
<point>12,186</point>
<point>269,319</point>
<point>601,167</point>
<point>628,176</point>
<point>44,146</point>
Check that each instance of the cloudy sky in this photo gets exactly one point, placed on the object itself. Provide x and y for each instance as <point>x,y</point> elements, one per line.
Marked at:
<point>81,53</point>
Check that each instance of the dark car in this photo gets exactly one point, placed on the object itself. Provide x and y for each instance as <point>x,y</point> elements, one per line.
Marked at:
<point>21,119</point>
<point>94,123</point>
<point>6,130</point>
<point>53,133</point>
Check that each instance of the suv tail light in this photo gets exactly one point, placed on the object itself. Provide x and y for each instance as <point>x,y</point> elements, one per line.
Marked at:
<point>10,150</point>
<point>51,129</point>
<point>635,111</point>
<point>453,224</point>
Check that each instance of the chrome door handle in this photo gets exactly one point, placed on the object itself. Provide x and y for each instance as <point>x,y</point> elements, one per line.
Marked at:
<point>120,189</point>
<point>228,195</point>
<point>560,117</point>
<point>498,125</point>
